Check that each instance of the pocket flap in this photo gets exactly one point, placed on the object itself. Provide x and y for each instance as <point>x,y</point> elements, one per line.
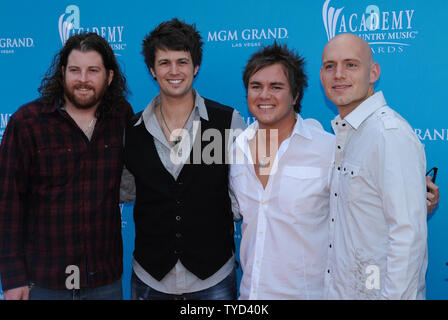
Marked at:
<point>302,172</point>
<point>350,169</point>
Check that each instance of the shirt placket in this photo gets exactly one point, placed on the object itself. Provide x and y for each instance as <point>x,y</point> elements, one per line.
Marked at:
<point>262,222</point>
<point>85,212</point>
<point>259,247</point>
<point>341,129</point>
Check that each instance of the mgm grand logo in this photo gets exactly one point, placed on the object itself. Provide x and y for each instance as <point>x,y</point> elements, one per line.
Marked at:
<point>248,37</point>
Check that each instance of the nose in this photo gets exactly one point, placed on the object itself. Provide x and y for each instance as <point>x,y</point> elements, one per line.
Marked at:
<point>173,68</point>
<point>83,76</point>
<point>339,72</point>
<point>265,93</point>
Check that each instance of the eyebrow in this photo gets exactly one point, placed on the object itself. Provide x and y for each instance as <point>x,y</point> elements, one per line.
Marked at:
<point>345,60</point>
<point>77,66</point>
<point>179,59</point>
<point>278,83</point>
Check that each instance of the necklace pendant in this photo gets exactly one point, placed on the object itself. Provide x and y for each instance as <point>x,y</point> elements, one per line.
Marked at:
<point>263,164</point>
<point>176,141</point>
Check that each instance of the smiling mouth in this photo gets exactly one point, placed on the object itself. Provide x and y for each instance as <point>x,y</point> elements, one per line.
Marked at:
<point>174,81</point>
<point>341,87</point>
<point>83,89</point>
<point>266,106</point>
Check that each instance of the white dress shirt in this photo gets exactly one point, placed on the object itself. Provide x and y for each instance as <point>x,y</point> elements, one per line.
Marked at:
<point>377,238</point>
<point>285,226</point>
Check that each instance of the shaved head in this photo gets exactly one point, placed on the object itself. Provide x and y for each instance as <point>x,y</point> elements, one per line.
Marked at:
<point>353,42</point>
<point>348,71</point>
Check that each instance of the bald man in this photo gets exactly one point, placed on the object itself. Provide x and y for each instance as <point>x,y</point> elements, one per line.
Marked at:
<point>377,239</point>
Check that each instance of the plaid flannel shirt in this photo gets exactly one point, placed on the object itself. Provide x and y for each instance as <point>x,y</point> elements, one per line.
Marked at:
<point>59,198</point>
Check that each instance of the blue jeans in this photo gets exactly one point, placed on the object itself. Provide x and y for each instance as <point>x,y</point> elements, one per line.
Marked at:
<point>225,290</point>
<point>111,291</point>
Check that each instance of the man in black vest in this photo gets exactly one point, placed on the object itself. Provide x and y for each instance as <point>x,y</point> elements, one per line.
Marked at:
<point>184,246</point>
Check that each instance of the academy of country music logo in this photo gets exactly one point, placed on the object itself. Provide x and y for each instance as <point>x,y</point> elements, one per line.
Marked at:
<point>248,37</point>
<point>387,31</point>
<point>4,118</point>
<point>70,23</point>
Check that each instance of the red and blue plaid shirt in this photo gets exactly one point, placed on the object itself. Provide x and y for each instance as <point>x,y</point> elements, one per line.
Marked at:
<point>59,198</point>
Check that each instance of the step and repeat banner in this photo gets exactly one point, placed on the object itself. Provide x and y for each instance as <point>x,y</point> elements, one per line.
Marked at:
<point>407,37</point>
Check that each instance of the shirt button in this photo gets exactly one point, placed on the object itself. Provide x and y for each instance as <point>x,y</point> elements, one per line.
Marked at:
<point>178,235</point>
<point>335,194</point>
<point>339,147</point>
<point>178,218</point>
<point>332,219</point>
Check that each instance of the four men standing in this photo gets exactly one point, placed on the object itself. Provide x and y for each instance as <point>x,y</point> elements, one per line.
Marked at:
<point>301,195</point>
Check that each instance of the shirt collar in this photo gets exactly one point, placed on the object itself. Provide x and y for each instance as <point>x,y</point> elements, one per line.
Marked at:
<point>50,107</point>
<point>364,110</point>
<point>199,105</point>
<point>300,129</point>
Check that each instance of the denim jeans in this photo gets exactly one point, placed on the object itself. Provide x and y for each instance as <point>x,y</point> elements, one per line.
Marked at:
<point>225,290</point>
<point>111,291</point>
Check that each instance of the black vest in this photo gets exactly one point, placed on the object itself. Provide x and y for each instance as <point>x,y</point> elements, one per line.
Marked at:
<point>189,218</point>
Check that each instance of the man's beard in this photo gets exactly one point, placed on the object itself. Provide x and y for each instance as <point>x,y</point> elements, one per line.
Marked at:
<point>85,102</point>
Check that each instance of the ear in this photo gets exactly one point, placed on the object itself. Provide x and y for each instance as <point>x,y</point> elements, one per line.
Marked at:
<point>195,71</point>
<point>295,100</point>
<point>375,72</point>
<point>153,73</point>
<point>321,75</point>
<point>111,77</point>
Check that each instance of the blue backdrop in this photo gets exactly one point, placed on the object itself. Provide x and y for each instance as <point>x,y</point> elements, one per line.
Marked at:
<point>407,37</point>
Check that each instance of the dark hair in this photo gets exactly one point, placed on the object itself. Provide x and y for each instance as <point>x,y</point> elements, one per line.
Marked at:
<point>293,66</point>
<point>52,86</point>
<point>173,35</point>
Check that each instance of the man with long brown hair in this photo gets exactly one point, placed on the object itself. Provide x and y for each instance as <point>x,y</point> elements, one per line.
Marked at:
<point>60,166</point>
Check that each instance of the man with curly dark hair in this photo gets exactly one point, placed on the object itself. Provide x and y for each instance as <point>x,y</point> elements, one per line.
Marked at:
<point>61,160</point>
